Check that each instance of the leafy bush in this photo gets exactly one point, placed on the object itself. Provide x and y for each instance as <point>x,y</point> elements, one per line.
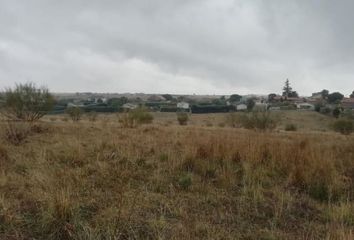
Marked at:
<point>290,127</point>
<point>344,126</point>
<point>135,117</point>
<point>185,181</point>
<point>141,115</point>
<point>75,113</point>
<point>182,118</point>
<point>261,120</point>
<point>27,102</point>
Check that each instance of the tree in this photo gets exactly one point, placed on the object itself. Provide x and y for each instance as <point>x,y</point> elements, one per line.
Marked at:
<point>287,90</point>
<point>27,102</point>
<point>250,104</point>
<point>293,94</point>
<point>271,97</point>
<point>235,98</point>
<point>167,97</point>
<point>324,93</point>
<point>218,101</point>
<point>352,95</point>
<point>336,112</point>
<point>117,102</point>
<point>335,97</point>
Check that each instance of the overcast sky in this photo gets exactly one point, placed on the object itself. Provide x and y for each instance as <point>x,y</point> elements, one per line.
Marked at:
<point>178,46</point>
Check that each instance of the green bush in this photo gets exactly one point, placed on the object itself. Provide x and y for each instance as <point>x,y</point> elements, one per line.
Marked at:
<point>185,181</point>
<point>261,120</point>
<point>135,117</point>
<point>290,127</point>
<point>141,115</point>
<point>343,126</point>
<point>27,102</point>
<point>182,118</point>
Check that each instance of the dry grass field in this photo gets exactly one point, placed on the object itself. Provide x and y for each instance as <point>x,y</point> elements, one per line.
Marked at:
<point>97,180</point>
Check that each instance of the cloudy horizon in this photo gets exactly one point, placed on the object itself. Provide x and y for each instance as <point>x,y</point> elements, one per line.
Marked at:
<point>178,46</point>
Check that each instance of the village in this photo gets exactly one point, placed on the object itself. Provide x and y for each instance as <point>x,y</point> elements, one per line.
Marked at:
<point>323,102</point>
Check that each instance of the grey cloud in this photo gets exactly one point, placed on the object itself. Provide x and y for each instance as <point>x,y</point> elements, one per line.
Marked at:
<point>179,46</point>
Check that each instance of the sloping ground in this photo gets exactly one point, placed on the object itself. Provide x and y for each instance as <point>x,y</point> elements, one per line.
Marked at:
<point>99,181</point>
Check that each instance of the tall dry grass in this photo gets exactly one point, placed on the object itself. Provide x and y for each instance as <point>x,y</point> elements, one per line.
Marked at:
<point>94,181</point>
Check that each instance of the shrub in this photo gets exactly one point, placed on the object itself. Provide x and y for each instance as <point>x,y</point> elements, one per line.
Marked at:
<point>75,113</point>
<point>290,127</point>
<point>185,181</point>
<point>344,126</point>
<point>182,118</point>
<point>16,132</point>
<point>135,117</point>
<point>27,102</point>
<point>336,112</point>
<point>141,115</point>
<point>260,119</point>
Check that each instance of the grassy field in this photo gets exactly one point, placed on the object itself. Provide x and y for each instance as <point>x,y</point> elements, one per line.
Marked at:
<point>97,180</point>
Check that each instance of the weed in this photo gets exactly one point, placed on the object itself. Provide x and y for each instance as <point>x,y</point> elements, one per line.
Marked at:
<point>185,181</point>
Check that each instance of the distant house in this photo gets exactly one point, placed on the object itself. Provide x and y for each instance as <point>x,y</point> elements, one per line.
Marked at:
<point>156,98</point>
<point>305,106</point>
<point>317,95</point>
<point>261,105</point>
<point>241,107</point>
<point>74,105</point>
<point>183,105</point>
<point>129,106</point>
<point>348,103</point>
<point>274,109</point>
<point>288,99</point>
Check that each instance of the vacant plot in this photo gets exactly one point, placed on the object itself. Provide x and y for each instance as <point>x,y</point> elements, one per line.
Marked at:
<point>97,180</point>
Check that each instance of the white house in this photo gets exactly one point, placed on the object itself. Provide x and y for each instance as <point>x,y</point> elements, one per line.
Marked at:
<point>261,105</point>
<point>305,106</point>
<point>241,107</point>
<point>183,105</point>
<point>129,106</point>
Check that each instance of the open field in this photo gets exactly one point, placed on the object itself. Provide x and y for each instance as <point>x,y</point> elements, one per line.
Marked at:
<point>97,180</point>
